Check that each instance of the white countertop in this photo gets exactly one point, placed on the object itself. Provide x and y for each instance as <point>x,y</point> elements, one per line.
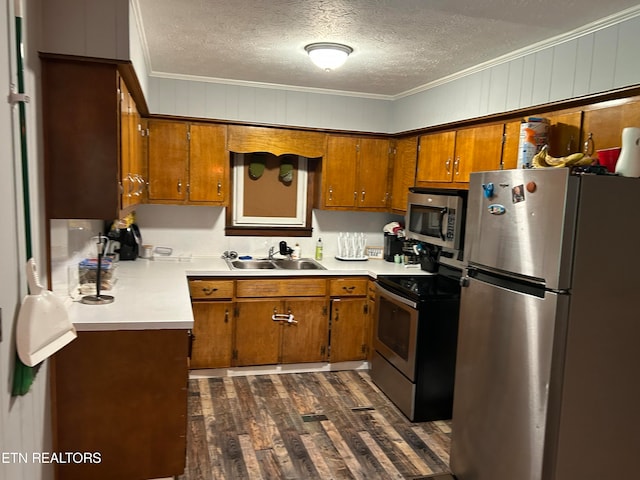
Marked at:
<point>155,294</point>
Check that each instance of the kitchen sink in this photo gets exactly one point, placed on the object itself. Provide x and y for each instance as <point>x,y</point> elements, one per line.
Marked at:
<point>275,264</point>
<point>298,264</point>
<point>250,264</point>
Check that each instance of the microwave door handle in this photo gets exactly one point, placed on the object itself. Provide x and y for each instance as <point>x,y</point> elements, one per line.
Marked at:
<point>443,212</point>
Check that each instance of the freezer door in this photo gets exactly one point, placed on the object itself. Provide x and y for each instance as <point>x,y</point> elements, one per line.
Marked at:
<point>525,226</point>
<point>503,374</point>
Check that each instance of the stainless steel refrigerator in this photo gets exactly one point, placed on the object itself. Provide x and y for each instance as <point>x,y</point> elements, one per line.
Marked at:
<point>547,380</point>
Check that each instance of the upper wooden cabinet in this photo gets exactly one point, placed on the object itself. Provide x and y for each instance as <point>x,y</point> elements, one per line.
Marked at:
<point>404,172</point>
<point>452,156</point>
<point>563,137</point>
<point>277,141</point>
<point>132,165</point>
<point>188,163</point>
<point>355,173</point>
<point>435,157</point>
<point>91,140</point>
<point>605,122</point>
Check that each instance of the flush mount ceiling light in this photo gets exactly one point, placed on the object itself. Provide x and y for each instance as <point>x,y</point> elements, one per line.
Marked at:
<point>328,56</point>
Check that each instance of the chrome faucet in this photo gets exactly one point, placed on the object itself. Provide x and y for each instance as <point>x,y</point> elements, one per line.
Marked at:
<point>272,249</point>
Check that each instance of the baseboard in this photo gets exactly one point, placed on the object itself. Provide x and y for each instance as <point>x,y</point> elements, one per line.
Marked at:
<point>278,369</point>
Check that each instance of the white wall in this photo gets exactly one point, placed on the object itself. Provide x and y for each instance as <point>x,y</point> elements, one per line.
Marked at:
<point>602,59</point>
<point>267,105</point>
<point>199,230</point>
<point>599,57</point>
<point>24,421</point>
<point>88,28</point>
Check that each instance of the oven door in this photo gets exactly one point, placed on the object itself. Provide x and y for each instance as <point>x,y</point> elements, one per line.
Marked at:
<point>396,331</point>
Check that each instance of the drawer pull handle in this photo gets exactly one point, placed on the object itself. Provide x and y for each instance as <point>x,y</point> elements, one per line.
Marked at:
<point>351,288</point>
<point>209,291</point>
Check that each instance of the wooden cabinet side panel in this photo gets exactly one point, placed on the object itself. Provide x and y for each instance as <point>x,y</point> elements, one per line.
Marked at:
<point>168,150</point>
<point>208,164</point>
<point>80,130</point>
<point>123,394</point>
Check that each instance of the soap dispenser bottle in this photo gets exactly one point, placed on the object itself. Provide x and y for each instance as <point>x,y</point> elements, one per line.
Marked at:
<point>319,249</point>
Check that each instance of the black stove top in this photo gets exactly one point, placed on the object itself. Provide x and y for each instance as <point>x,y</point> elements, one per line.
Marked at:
<point>444,284</point>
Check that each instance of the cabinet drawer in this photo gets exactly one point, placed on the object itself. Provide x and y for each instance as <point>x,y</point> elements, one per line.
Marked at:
<point>211,288</point>
<point>341,287</point>
<point>299,287</point>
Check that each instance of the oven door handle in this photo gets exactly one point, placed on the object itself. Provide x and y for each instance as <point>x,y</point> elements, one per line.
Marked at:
<point>396,297</point>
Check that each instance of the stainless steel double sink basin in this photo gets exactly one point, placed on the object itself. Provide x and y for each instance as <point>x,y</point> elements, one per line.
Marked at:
<point>275,264</point>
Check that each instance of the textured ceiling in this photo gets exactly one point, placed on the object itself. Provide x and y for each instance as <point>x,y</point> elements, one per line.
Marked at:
<point>398,45</point>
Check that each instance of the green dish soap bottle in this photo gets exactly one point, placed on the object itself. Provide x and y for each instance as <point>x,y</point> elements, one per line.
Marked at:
<point>319,249</point>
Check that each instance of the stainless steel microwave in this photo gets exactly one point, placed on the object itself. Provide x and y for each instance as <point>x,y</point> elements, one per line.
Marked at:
<point>436,216</point>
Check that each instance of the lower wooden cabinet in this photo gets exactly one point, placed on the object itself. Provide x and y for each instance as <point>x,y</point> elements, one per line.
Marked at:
<point>264,334</point>
<point>350,319</point>
<point>270,321</point>
<point>212,334</point>
<point>123,395</point>
<point>213,315</point>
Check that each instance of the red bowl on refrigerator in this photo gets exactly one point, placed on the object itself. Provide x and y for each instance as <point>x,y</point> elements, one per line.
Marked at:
<point>608,157</point>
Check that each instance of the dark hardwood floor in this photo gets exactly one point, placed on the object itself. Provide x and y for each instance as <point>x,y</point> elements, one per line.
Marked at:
<point>329,425</point>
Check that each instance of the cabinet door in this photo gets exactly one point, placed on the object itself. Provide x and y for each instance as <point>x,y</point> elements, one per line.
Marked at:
<point>168,153</point>
<point>126,180</point>
<point>349,329</point>
<point>435,157</point>
<point>306,340</point>
<point>339,165</point>
<point>511,145</point>
<point>564,133</point>
<point>606,121</point>
<point>404,172</point>
<point>212,330</point>
<point>257,339</point>
<point>373,173</point>
<point>208,164</point>
<point>477,149</point>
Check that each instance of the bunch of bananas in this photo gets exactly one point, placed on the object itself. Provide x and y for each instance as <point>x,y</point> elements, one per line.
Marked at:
<point>542,159</point>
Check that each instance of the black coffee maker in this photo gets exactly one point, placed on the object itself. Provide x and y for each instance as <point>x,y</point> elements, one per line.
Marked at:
<point>129,239</point>
<point>392,246</point>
